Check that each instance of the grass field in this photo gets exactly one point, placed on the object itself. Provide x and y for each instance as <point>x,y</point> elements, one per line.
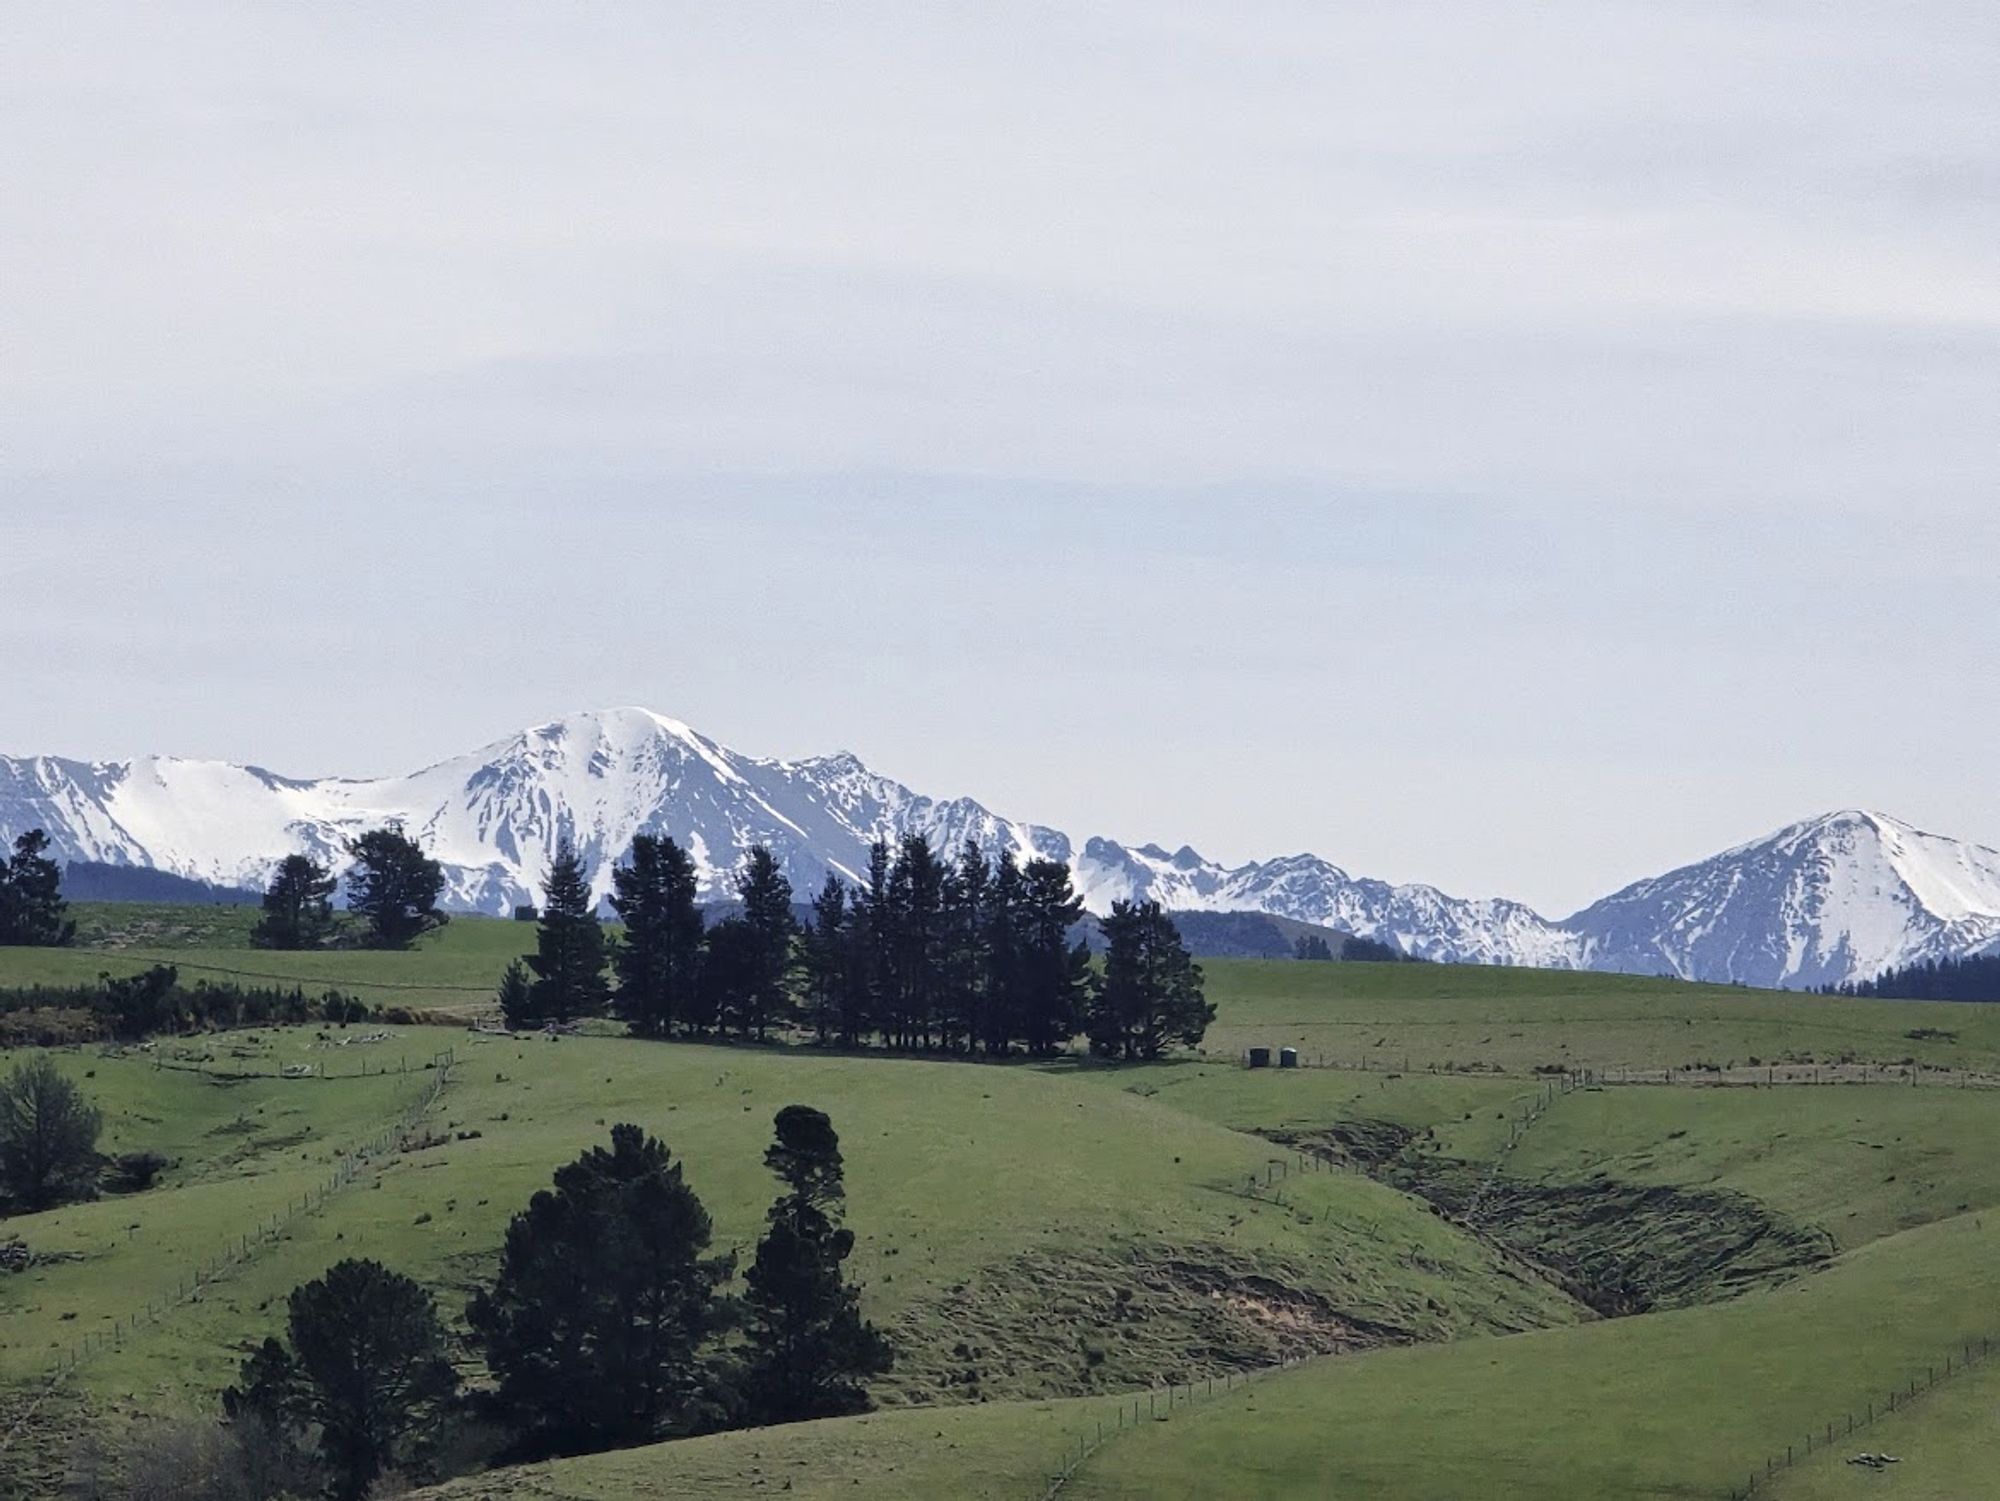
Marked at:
<point>1043,1239</point>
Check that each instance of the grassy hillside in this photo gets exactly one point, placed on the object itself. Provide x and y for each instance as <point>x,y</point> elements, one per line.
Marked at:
<point>1681,1403</point>
<point>1043,1239</point>
<point>1021,1233</point>
<point>1685,1403</point>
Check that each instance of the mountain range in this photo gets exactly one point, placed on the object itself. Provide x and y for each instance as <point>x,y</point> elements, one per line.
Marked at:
<point>1830,900</point>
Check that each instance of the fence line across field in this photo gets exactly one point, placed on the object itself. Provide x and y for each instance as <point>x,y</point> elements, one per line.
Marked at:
<point>268,1229</point>
<point>1970,1353</point>
<point>1745,1076</point>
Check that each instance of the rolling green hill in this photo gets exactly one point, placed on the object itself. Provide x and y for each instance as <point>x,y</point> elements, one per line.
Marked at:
<point>1441,1229</point>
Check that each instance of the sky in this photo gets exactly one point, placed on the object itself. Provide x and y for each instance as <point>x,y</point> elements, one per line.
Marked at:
<point>1520,448</point>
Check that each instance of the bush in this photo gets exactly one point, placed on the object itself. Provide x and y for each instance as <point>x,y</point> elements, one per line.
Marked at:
<point>135,1172</point>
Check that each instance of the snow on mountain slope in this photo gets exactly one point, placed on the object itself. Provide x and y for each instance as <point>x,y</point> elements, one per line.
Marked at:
<point>1827,901</point>
<point>494,817</point>
<point>1831,900</point>
<point>1420,920</point>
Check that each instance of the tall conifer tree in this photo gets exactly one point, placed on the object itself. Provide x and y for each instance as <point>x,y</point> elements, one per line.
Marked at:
<point>659,959</point>
<point>569,945</point>
<point>767,914</point>
<point>1151,993</point>
<point>32,909</point>
<point>298,906</point>
<point>810,1349</point>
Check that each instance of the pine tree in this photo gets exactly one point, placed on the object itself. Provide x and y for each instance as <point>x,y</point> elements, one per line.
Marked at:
<point>516,996</point>
<point>827,962</point>
<point>366,1370</point>
<point>872,994</point>
<point>916,900</point>
<point>32,909</point>
<point>394,887</point>
<point>730,965</point>
<point>569,945</point>
<point>962,950</point>
<point>767,914</point>
<point>48,1138</point>
<point>1054,978</point>
<point>1151,993</point>
<point>1004,1002</point>
<point>810,1349</point>
<point>595,1327</point>
<point>298,906</point>
<point>659,960</point>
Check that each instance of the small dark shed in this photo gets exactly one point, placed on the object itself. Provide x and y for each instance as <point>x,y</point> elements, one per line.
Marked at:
<point>1288,1057</point>
<point>1260,1057</point>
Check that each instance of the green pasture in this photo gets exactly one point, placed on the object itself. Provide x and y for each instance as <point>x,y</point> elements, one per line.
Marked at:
<point>1946,1446</point>
<point>1404,1017</point>
<point>454,969</point>
<point>1672,1404</point>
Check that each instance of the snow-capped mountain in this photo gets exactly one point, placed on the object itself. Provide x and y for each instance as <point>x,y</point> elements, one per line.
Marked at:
<point>1831,900</point>
<point>1824,902</point>
<point>1418,919</point>
<point>494,817</point>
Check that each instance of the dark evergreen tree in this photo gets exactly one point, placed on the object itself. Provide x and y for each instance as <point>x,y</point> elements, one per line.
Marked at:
<point>767,914</point>
<point>872,997</point>
<point>394,887</point>
<point>810,1349</point>
<point>366,1370</point>
<point>1004,999</point>
<point>48,1138</point>
<point>298,906</point>
<point>962,956</point>
<point>569,945</point>
<point>1311,946</point>
<point>1054,975</point>
<point>827,962</point>
<point>730,966</point>
<point>595,1326</point>
<point>659,959</point>
<point>916,908</point>
<point>516,996</point>
<point>32,909</point>
<point>1151,991</point>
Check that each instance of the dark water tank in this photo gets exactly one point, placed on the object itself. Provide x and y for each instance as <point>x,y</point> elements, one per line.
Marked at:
<point>1288,1057</point>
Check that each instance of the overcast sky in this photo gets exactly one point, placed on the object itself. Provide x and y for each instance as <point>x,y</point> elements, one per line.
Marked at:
<point>1514,447</point>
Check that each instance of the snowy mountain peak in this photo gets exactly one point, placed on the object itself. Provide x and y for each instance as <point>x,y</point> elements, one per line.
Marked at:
<point>1825,901</point>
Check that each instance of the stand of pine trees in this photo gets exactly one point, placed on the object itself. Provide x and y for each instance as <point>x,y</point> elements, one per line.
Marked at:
<point>964,956</point>
<point>927,955</point>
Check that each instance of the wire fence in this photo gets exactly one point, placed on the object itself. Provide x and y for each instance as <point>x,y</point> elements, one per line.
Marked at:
<point>1696,1075</point>
<point>1970,1353</point>
<point>1155,1405</point>
<point>189,1286</point>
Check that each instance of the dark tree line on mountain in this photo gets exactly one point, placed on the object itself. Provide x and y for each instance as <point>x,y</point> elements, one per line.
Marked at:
<point>609,1323</point>
<point>392,894</point>
<point>155,1002</point>
<point>32,910</point>
<point>967,956</point>
<point>1976,978</point>
<point>1353,950</point>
